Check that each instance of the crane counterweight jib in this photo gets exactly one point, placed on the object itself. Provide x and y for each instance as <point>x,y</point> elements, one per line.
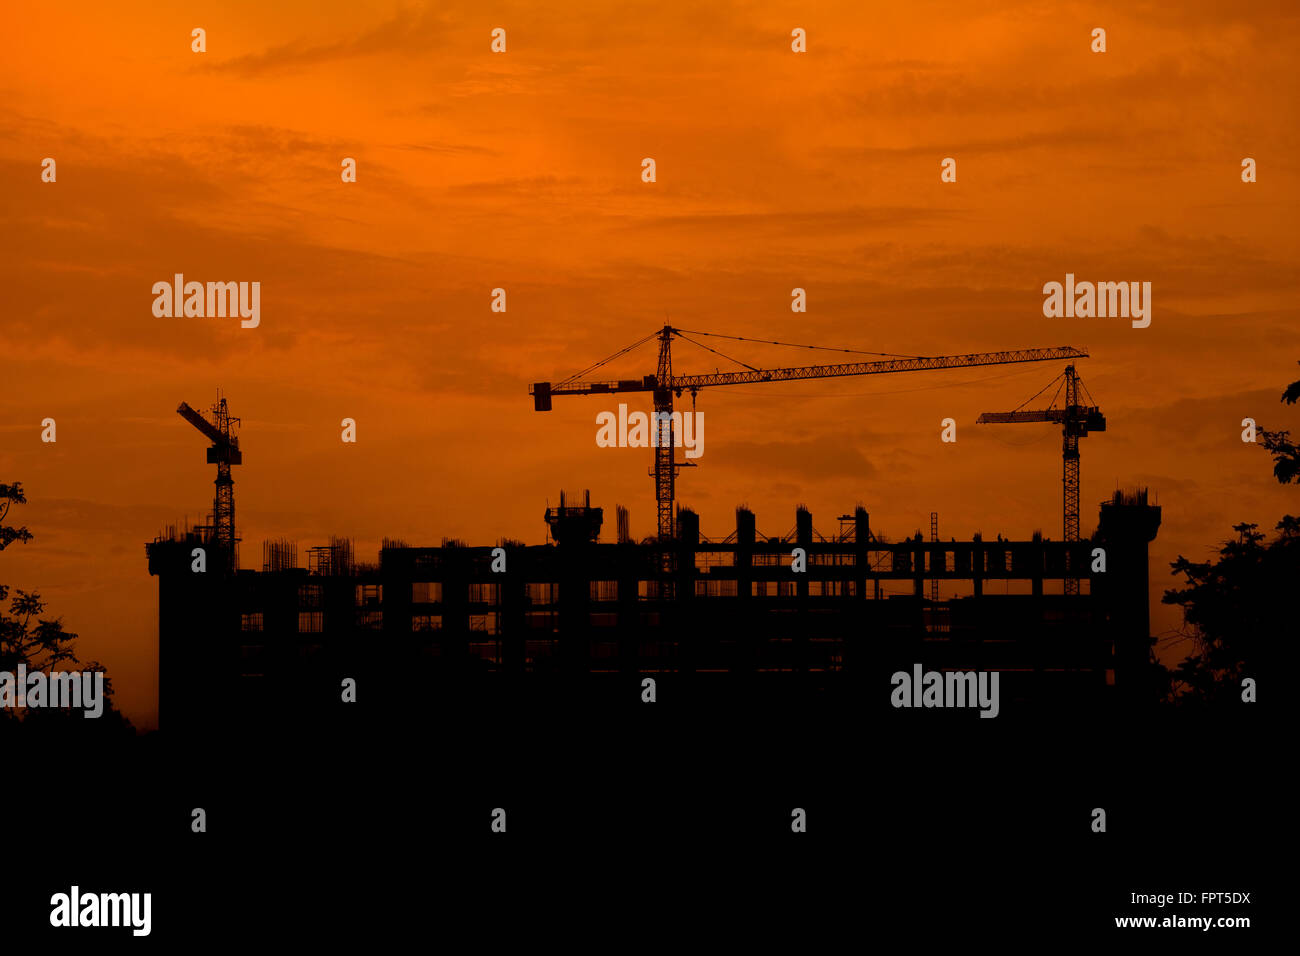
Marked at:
<point>1041,415</point>
<point>1084,418</point>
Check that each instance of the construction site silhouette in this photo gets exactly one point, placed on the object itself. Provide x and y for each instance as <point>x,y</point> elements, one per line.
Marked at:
<point>807,616</point>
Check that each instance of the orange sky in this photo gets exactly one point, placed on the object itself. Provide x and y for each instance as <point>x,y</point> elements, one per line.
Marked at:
<point>522,170</point>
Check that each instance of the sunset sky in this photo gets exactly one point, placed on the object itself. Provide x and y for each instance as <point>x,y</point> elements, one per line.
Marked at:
<point>522,170</point>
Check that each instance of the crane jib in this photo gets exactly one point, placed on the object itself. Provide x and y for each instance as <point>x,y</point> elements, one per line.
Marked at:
<point>542,392</point>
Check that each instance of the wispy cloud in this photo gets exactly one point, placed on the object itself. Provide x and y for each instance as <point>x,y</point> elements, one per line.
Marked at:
<point>410,32</point>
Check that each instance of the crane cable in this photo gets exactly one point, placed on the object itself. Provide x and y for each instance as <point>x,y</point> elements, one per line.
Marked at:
<point>605,361</point>
<point>716,352</point>
<point>1040,392</point>
<point>1086,392</point>
<point>894,391</point>
<point>795,345</point>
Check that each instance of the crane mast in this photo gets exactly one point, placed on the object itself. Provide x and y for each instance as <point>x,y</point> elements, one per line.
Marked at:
<point>665,466</point>
<point>1070,433</point>
<point>224,452</point>
<point>664,385</point>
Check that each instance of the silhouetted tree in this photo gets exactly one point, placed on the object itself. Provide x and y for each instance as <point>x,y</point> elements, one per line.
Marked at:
<point>42,645</point>
<point>1235,606</point>
<point>9,495</point>
<point>1286,453</point>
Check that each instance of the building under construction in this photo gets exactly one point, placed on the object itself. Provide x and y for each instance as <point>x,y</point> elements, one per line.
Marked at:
<point>806,615</point>
<point>729,613</point>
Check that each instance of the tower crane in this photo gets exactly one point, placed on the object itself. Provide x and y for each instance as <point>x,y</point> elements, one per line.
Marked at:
<point>224,452</point>
<point>1076,420</point>
<point>664,385</point>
